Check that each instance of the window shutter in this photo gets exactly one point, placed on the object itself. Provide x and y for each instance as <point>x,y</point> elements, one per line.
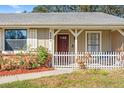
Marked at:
<point>32,39</point>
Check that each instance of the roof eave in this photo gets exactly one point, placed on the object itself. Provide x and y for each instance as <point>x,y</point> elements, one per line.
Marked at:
<point>110,26</point>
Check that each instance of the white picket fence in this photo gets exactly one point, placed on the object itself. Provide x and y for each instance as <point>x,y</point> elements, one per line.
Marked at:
<point>98,60</point>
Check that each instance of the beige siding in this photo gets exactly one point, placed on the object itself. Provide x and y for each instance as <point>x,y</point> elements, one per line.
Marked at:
<point>117,41</point>
<point>81,42</point>
<point>105,36</point>
<point>1,39</point>
<point>32,38</point>
<point>43,37</point>
<point>106,40</point>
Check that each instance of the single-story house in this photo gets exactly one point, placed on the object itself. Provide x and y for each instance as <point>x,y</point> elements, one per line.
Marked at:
<point>61,32</point>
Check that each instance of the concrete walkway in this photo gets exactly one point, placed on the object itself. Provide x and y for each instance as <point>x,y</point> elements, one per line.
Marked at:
<point>9,79</point>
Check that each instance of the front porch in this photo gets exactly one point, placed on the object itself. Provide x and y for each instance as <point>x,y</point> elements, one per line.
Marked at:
<point>104,45</point>
<point>84,40</point>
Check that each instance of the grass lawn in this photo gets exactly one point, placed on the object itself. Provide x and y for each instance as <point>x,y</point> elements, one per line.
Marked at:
<point>78,79</point>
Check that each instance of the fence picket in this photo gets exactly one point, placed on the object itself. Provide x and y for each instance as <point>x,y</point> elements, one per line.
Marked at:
<point>113,59</point>
<point>99,60</point>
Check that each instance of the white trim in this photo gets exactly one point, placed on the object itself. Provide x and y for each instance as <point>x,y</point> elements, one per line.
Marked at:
<point>3,47</point>
<point>68,40</point>
<point>15,51</point>
<point>110,44</point>
<point>80,32</point>
<point>88,26</point>
<point>76,37</point>
<point>57,32</point>
<point>53,41</point>
<point>3,39</point>
<point>73,33</point>
<point>50,40</point>
<point>93,32</point>
<point>28,38</point>
<point>121,32</point>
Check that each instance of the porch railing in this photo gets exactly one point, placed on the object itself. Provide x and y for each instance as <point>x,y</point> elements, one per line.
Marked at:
<point>98,60</point>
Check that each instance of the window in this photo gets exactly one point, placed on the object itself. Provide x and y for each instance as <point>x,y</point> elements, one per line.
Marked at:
<point>15,39</point>
<point>93,42</point>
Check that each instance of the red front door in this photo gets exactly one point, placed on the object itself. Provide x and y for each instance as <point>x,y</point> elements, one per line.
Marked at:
<point>62,43</point>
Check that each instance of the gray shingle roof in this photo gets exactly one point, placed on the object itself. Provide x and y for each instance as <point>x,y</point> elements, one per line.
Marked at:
<point>83,18</point>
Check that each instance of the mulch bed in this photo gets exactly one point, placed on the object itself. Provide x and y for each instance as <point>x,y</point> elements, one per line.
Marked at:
<point>24,71</point>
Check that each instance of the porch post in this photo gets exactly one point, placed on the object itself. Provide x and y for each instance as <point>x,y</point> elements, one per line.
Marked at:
<point>50,40</point>
<point>75,46</point>
<point>52,44</point>
<point>76,41</point>
<point>53,41</point>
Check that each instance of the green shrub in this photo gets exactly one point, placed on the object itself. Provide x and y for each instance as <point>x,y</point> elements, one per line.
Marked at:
<point>34,65</point>
<point>25,61</point>
<point>21,62</point>
<point>42,55</point>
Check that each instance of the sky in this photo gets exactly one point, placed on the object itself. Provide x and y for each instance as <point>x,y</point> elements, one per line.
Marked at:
<point>15,8</point>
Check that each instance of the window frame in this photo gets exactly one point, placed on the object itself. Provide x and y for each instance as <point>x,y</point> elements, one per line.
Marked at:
<point>86,45</point>
<point>15,29</point>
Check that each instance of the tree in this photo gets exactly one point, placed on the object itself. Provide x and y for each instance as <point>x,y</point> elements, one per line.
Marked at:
<point>24,11</point>
<point>57,8</point>
<point>109,9</point>
<point>116,10</point>
<point>39,8</point>
<point>85,8</point>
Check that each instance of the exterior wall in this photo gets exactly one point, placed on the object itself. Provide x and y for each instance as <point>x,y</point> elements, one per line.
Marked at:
<point>40,37</point>
<point>117,41</point>
<point>35,38</point>
<point>106,41</point>
<point>1,40</point>
<point>81,42</point>
<point>43,37</point>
